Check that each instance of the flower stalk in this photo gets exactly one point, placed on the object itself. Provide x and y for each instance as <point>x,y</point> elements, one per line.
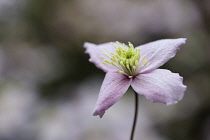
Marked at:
<point>135,115</point>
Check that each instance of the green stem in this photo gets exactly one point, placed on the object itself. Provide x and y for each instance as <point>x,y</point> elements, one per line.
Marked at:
<point>135,115</point>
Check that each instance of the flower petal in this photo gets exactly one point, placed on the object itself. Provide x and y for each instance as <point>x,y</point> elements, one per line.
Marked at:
<point>160,85</point>
<point>96,51</point>
<point>113,88</point>
<point>159,52</point>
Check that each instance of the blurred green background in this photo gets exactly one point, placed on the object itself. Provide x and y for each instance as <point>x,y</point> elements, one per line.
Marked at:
<point>48,88</point>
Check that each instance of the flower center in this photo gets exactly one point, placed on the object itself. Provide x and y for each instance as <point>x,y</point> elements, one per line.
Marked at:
<point>126,59</point>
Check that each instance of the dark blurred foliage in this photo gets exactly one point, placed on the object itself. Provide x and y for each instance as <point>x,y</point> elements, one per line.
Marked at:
<point>54,31</point>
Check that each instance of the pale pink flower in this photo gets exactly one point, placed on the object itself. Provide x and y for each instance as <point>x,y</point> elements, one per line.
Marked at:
<point>125,65</point>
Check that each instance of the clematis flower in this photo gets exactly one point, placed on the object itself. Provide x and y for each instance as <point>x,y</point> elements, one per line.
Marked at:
<point>125,65</point>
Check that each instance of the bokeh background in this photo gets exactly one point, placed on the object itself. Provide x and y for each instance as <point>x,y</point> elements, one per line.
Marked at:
<point>48,88</point>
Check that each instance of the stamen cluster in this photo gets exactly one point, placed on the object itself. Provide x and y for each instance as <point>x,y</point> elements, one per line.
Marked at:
<point>126,59</point>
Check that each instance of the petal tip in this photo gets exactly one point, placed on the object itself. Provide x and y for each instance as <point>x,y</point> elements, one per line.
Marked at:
<point>180,42</point>
<point>98,112</point>
<point>86,44</point>
<point>183,40</point>
<point>176,100</point>
<point>172,102</point>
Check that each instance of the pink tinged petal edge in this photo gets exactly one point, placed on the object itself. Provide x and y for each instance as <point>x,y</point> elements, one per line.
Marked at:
<point>113,88</point>
<point>159,52</point>
<point>95,51</point>
<point>160,85</point>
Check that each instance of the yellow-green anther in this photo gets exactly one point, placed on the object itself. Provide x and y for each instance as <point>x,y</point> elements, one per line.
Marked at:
<point>136,62</point>
<point>120,71</point>
<point>128,67</point>
<point>144,61</point>
<point>113,59</point>
<point>147,64</point>
<point>105,63</point>
<point>131,62</point>
<point>114,45</point>
<point>112,54</point>
<point>113,64</point>
<point>130,45</point>
<point>121,63</point>
<point>127,62</point>
<point>117,56</point>
<point>102,57</point>
<point>106,54</point>
<point>124,45</point>
<point>118,52</point>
